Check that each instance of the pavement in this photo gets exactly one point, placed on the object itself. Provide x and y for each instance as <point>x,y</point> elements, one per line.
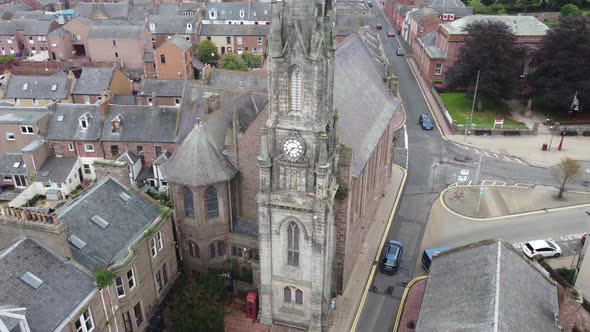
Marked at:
<point>343,317</point>
<point>501,201</point>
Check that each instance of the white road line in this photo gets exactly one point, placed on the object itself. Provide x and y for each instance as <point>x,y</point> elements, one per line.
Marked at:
<point>476,150</point>
<point>518,160</point>
<point>486,153</point>
<point>496,155</point>
<point>508,159</point>
<point>469,182</point>
<point>504,184</point>
<point>406,136</point>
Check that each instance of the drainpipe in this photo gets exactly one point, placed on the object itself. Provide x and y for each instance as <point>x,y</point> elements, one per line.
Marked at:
<point>231,217</point>
<point>104,307</point>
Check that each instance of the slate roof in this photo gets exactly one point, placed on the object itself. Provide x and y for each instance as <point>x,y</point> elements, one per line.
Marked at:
<point>129,157</point>
<point>176,24</point>
<point>162,88</point>
<point>197,162</point>
<point>108,31</point>
<point>520,25</point>
<point>162,158</point>
<point>64,287</point>
<point>21,116</point>
<point>34,27</point>
<point>93,81</point>
<point>142,124</point>
<point>95,10</point>
<point>347,24</point>
<point>15,8</point>
<point>124,100</point>
<point>69,127</point>
<point>364,103</point>
<point>148,57</point>
<point>421,13</point>
<point>231,11</point>
<point>247,81</point>
<point>7,28</point>
<point>487,286</point>
<point>127,221</point>
<point>56,170</point>
<point>445,3</point>
<point>429,43</point>
<point>7,165</point>
<point>234,30</point>
<point>38,87</point>
<point>180,42</point>
<point>459,12</point>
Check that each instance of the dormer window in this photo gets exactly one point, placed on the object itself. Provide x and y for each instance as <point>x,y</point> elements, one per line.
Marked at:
<point>84,120</point>
<point>242,13</point>
<point>117,123</point>
<point>213,14</point>
<point>25,86</point>
<point>54,87</point>
<point>152,26</point>
<point>189,26</point>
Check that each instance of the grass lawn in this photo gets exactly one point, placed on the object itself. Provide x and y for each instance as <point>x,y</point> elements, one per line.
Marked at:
<point>460,109</point>
<point>6,58</point>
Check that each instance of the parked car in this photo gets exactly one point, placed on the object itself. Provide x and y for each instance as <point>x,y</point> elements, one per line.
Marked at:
<point>390,33</point>
<point>583,239</point>
<point>370,3</point>
<point>392,256</point>
<point>399,51</point>
<point>425,122</point>
<point>541,249</point>
<point>379,26</point>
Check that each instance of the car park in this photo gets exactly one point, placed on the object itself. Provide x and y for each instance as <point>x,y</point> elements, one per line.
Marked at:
<point>392,254</point>
<point>425,122</point>
<point>541,249</point>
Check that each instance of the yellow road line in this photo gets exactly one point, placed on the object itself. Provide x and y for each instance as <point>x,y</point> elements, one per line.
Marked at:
<point>372,275</point>
<point>403,301</point>
<point>426,101</point>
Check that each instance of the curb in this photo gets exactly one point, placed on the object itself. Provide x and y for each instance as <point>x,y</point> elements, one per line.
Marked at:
<point>376,260</point>
<point>400,310</point>
<point>520,214</point>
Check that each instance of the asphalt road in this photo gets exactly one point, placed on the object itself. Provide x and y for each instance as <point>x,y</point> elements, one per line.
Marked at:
<point>433,165</point>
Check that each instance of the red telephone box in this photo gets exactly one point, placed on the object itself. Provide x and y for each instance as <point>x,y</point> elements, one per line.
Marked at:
<point>252,305</point>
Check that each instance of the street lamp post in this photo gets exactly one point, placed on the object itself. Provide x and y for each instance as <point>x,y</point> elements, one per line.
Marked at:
<point>574,107</point>
<point>472,107</point>
<point>477,184</point>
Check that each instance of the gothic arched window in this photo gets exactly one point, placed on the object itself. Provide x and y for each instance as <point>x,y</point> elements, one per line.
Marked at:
<point>212,202</point>
<point>193,249</point>
<point>189,204</point>
<point>293,244</point>
<point>287,294</point>
<point>216,249</point>
<point>299,296</point>
<point>296,90</point>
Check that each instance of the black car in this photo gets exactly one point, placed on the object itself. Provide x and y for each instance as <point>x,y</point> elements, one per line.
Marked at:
<point>392,256</point>
<point>425,122</point>
<point>378,27</point>
<point>399,51</point>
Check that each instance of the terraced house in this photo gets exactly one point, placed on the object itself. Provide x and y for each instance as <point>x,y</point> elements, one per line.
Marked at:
<point>39,90</point>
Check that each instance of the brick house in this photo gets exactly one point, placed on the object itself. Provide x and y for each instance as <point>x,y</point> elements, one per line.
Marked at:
<point>240,13</point>
<point>230,38</point>
<point>419,23</point>
<point>70,40</point>
<point>94,82</point>
<point>450,10</point>
<point>164,92</point>
<point>39,90</point>
<point>122,230</point>
<point>436,52</point>
<point>174,59</point>
<point>164,27</point>
<point>119,42</point>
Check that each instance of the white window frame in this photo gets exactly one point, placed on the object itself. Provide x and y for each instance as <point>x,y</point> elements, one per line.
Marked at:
<point>83,320</point>
<point>86,99</point>
<point>27,130</point>
<point>160,241</point>
<point>131,280</point>
<point>70,147</point>
<point>259,41</point>
<point>89,147</point>
<point>239,40</point>
<point>438,69</point>
<point>10,136</point>
<point>153,247</point>
<point>158,281</point>
<point>120,286</point>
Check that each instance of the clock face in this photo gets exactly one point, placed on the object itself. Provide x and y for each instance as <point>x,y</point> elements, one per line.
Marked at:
<point>292,148</point>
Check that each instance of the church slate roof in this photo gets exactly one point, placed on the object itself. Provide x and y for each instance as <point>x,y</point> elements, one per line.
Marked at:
<point>64,287</point>
<point>197,162</point>
<point>364,103</point>
<point>127,221</point>
<point>487,286</point>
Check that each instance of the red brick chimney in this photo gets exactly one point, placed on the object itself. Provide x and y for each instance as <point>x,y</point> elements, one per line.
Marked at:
<point>106,98</point>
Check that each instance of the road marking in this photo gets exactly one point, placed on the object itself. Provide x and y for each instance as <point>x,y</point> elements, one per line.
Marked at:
<point>476,150</point>
<point>406,136</point>
<point>486,153</point>
<point>496,156</point>
<point>508,159</point>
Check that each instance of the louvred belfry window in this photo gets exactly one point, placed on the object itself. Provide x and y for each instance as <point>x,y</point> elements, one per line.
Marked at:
<point>296,90</point>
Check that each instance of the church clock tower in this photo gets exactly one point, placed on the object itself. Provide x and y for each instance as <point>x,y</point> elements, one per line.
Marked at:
<point>297,159</point>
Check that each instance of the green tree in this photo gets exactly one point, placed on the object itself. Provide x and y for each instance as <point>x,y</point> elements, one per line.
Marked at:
<point>491,48</point>
<point>487,2</point>
<point>562,65</point>
<point>206,51</point>
<point>233,62</point>
<point>252,60</point>
<point>565,172</point>
<point>197,305</point>
<point>570,10</point>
